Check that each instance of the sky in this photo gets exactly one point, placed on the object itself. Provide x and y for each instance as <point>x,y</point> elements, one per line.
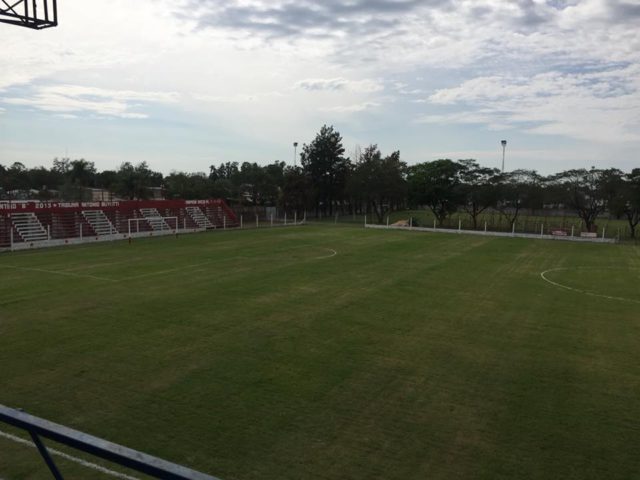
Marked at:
<point>185,84</point>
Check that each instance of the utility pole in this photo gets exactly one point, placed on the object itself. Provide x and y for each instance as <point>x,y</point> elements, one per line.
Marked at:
<point>504,147</point>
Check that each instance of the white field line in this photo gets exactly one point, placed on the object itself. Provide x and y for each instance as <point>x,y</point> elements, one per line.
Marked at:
<point>69,273</point>
<point>71,458</point>
<point>58,272</point>
<point>584,292</point>
<point>170,270</point>
<point>210,262</point>
<point>96,265</point>
<point>332,254</point>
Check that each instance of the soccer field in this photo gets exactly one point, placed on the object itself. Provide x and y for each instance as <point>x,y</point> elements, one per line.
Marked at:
<point>323,352</point>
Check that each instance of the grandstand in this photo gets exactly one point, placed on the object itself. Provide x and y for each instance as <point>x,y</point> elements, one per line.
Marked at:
<point>40,224</point>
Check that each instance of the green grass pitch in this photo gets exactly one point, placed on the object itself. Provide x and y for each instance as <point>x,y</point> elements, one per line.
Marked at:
<point>323,352</point>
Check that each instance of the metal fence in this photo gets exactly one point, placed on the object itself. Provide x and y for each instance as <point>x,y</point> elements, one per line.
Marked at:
<point>40,429</point>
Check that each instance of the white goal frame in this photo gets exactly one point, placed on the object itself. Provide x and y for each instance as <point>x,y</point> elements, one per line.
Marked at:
<point>149,221</point>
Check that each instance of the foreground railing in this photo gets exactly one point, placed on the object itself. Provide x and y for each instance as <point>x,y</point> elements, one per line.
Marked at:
<point>39,428</point>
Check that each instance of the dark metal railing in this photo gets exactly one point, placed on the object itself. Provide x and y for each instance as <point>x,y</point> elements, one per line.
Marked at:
<point>39,428</point>
<point>27,13</point>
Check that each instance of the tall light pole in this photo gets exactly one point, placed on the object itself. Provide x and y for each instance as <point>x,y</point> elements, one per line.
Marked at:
<point>504,147</point>
<point>295,149</point>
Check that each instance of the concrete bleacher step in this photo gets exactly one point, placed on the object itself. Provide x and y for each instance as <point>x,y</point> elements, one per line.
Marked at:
<point>153,218</point>
<point>29,227</point>
<point>199,217</point>
<point>99,222</point>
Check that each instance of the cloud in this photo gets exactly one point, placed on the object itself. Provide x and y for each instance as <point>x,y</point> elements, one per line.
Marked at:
<point>334,84</point>
<point>277,19</point>
<point>360,107</point>
<point>75,99</point>
<point>601,105</point>
<point>262,71</point>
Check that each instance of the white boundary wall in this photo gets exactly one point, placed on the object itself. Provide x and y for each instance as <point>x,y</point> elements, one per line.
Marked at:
<point>96,238</point>
<point>495,234</point>
<point>124,236</point>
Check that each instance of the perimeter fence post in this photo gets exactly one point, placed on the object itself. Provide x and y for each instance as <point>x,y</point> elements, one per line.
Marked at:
<point>257,222</point>
<point>604,229</point>
<point>272,220</point>
<point>542,230</point>
<point>44,453</point>
<point>241,222</point>
<point>11,238</point>
<point>485,227</point>
<point>365,220</point>
<point>295,217</point>
<point>572,229</point>
<point>224,222</point>
<point>49,232</point>
<point>459,225</point>
<point>336,220</point>
<point>410,223</point>
<point>285,218</point>
<point>434,223</point>
<point>387,221</point>
<point>513,229</point>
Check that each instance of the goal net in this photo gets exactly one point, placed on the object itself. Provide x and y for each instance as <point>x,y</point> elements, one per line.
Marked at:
<point>153,224</point>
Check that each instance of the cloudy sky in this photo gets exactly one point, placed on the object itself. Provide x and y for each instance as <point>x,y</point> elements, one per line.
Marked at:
<point>183,84</point>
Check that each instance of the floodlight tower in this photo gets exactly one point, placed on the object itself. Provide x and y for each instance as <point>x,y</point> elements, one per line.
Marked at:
<point>295,150</point>
<point>504,147</point>
<point>27,13</point>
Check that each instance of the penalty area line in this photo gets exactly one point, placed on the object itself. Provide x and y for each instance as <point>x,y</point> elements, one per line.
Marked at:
<point>58,272</point>
<point>71,458</point>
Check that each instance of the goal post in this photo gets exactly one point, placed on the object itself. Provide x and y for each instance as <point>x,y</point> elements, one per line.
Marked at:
<point>151,225</point>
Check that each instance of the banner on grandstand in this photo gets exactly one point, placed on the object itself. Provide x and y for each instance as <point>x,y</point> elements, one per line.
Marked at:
<point>33,206</point>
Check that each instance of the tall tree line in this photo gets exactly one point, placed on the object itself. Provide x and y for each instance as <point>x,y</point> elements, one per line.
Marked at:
<point>328,182</point>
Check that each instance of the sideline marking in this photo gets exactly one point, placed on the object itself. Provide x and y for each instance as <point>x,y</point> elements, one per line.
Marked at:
<point>170,270</point>
<point>68,273</point>
<point>59,272</point>
<point>332,254</point>
<point>585,292</point>
<point>71,458</point>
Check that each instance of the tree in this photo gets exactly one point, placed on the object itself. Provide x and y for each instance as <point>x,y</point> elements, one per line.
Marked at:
<point>189,186</point>
<point>436,185</point>
<point>327,168</point>
<point>517,190</point>
<point>251,181</point>
<point>44,180</point>
<point>225,181</point>
<point>584,192</point>
<point>378,182</point>
<point>613,191</point>
<point>17,177</point>
<point>631,194</point>
<point>134,182</point>
<point>107,179</point>
<point>479,188</point>
<point>296,189</point>
<point>272,182</point>
<point>226,171</point>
